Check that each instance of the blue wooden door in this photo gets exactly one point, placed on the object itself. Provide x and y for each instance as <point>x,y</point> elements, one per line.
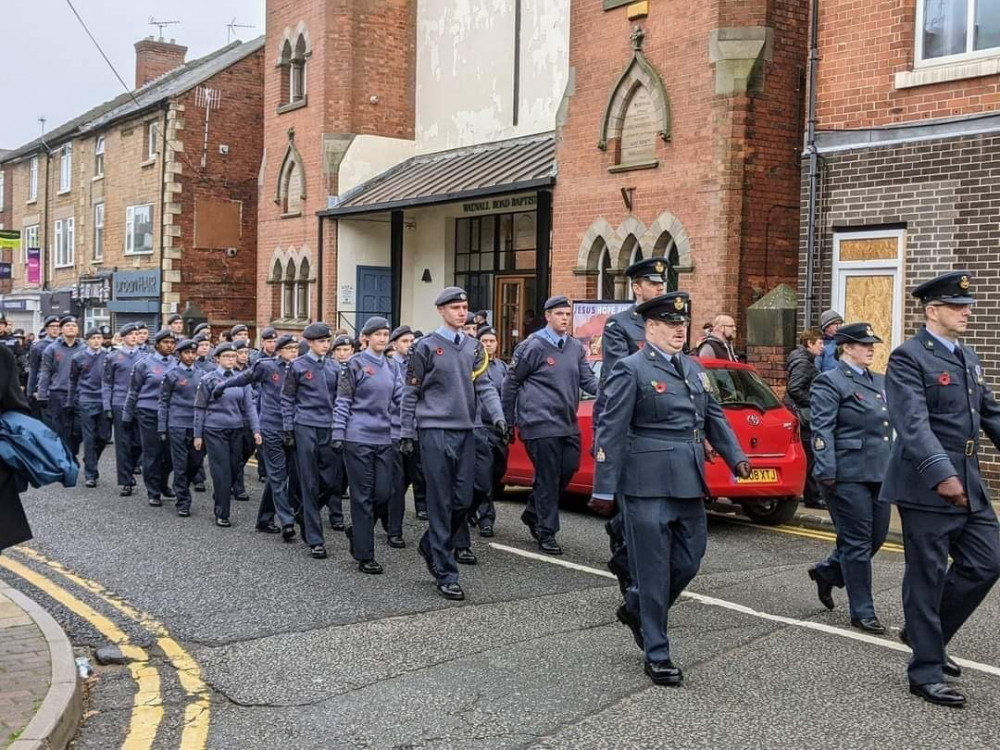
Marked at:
<point>374,293</point>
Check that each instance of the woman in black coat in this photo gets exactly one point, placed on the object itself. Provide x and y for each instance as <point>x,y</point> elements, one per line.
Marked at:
<point>800,371</point>
<point>14,527</point>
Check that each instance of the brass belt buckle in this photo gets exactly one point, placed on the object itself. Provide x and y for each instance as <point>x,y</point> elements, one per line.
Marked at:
<point>970,447</point>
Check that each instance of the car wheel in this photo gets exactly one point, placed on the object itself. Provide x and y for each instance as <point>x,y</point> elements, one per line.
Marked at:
<point>771,511</point>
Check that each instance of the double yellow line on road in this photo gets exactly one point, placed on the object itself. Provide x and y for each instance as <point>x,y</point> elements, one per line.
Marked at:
<point>824,536</point>
<point>147,709</point>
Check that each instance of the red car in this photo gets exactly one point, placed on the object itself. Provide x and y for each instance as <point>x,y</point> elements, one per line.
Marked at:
<point>767,431</point>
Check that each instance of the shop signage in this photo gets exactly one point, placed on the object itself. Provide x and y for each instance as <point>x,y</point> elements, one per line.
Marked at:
<point>506,203</point>
<point>6,270</point>
<point>94,291</point>
<point>137,284</point>
<point>34,272</point>
<point>10,239</point>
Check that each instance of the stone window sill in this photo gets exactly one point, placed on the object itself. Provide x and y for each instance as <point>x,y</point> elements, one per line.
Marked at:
<point>292,106</point>
<point>31,202</point>
<point>292,215</point>
<point>97,177</point>
<point>617,168</point>
<point>290,323</point>
<point>956,71</point>
<point>64,192</point>
<point>148,163</point>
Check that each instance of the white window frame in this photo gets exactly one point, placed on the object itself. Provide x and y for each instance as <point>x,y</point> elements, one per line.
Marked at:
<point>93,317</point>
<point>130,229</point>
<point>98,254</point>
<point>970,40</point>
<point>66,168</point>
<point>29,231</point>
<point>152,127</point>
<point>842,270</point>
<point>33,179</point>
<point>2,186</point>
<point>99,157</point>
<point>64,241</point>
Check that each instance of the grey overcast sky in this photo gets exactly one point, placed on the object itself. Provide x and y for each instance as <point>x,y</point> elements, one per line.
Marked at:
<point>50,67</point>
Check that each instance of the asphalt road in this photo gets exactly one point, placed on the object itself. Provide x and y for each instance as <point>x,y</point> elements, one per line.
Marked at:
<point>289,652</point>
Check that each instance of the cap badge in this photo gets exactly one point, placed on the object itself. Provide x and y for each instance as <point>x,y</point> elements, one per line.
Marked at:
<point>678,303</point>
<point>659,267</point>
<point>869,331</point>
<point>963,282</point>
<point>463,296</point>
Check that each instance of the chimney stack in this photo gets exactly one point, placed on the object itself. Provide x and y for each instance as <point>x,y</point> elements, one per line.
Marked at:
<point>154,57</point>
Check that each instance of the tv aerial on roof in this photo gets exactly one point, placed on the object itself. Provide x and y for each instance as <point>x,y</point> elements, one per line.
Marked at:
<point>232,26</point>
<point>161,25</point>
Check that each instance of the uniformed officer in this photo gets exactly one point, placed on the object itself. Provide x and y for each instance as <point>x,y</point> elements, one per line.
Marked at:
<point>540,398</point>
<point>202,328</point>
<point>342,349</point>
<point>142,338</point>
<point>142,403</point>
<point>241,344</point>
<point>625,334</point>
<point>851,439</point>
<point>219,423</point>
<point>35,363</point>
<point>307,408</point>
<point>491,449</point>
<point>86,375</point>
<point>175,422</point>
<point>53,384</point>
<point>176,324</point>
<point>114,388</point>
<point>650,454</point>
<point>446,376</point>
<point>268,373</point>
<point>938,403</point>
<point>204,351</point>
<point>409,471</point>
<point>369,392</point>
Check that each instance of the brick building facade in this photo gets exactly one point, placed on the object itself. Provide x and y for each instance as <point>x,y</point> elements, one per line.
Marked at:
<point>146,204</point>
<point>680,138</point>
<point>908,138</point>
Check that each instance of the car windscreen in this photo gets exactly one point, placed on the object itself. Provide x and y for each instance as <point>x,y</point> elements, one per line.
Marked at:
<point>742,388</point>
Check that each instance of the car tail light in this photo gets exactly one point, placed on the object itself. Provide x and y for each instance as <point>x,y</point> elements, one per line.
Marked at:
<point>796,430</point>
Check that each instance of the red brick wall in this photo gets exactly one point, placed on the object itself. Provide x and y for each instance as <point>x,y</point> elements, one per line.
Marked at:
<point>155,57</point>
<point>862,44</point>
<point>770,364</point>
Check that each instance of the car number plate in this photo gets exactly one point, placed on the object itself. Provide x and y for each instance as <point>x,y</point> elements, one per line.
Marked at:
<point>760,476</point>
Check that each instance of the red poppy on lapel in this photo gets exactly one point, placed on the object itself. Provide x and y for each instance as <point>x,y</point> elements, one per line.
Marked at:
<point>157,370</point>
<point>369,371</point>
<point>439,351</point>
<point>309,376</point>
<point>859,396</point>
<point>945,378</point>
<point>659,386</point>
<point>275,377</point>
<point>551,362</point>
<point>641,345</point>
<point>182,382</point>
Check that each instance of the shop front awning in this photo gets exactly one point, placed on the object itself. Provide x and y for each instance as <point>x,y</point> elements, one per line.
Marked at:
<point>515,165</point>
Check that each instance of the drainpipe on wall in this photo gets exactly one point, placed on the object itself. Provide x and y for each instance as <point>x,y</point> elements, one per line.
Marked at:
<point>813,165</point>
<point>44,255</point>
<point>319,272</point>
<point>163,205</point>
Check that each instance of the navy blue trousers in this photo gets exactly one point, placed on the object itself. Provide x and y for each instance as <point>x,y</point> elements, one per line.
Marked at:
<point>224,447</point>
<point>96,429</point>
<point>185,461</point>
<point>318,469</point>
<point>667,539</point>
<point>155,455</point>
<point>275,500</point>
<point>335,498</point>
<point>449,463</point>
<point>370,473</point>
<point>862,523</point>
<point>65,423</point>
<point>937,597</point>
<point>413,475</point>
<point>397,503</point>
<point>555,460</point>
<point>127,448</point>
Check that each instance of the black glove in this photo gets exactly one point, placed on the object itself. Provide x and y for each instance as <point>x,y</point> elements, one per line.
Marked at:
<point>218,391</point>
<point>500,429</point>
<point>743,469</point>
<point>338,446</point>
<point>511,435</point>
<point>109,415</point>
<point>163,437</point>
<point>288,439</point>
<point>406,446</point>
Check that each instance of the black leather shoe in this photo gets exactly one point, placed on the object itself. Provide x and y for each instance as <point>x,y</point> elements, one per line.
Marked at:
<point>473,521</point>
<point>396,542</point>
<point>465,556</point>
<point>940,694</point>
<point>428,560</point>
<point>169,493</point>
<point>90,483</point>
<point>199,488</point>
<point>183,513</point>
<point>949,667</point>
<point>338,526</point>
<point>421,515</point>
<point>318,552</point>
<point>125,492</point>
<point>451,591</point>
<point>664,673</point>
<point>816,504</point>
<point>823,589</point>
<point>550,547</point>
<point>222,523</point>
<point>621,574</point>
<point>243,497</point>
<point>349,533</point>
<point>288,532</point>
<point>485,529</point>
<point>137,471</point>
<point>155,502</point>
<point>527,522</point>
<point>370,566</point>
<point>631,622</point>
<point>269,529</point>
<point>869,625</point>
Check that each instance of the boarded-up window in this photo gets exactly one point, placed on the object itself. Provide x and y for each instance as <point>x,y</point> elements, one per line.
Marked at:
<point>217,224</point>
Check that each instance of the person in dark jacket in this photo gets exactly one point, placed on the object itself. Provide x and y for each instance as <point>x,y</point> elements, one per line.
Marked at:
<point>829,322</point>
<point>14,527</point>
<point>85,385</point>
<point>800,372</point>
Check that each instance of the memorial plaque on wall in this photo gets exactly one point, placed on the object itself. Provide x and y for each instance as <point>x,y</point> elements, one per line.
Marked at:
<point>638,141</point>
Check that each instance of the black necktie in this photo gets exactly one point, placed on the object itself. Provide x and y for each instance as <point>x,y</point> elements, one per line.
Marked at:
<point>678,366</point>
<point>561,342</point>
<point>960,354</point>
<point>458,339</point>
<point>229,374</point>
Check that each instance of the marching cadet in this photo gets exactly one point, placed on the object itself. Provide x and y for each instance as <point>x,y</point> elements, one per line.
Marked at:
<point>203,360</point>
<point>660,410</point>
<point>240,332</point>
<point>86,374</point>
<point>268,345</point>
<point>175,422</point>
<point>540,398</point>
<point>369,392</point>
<point>218,428</point>
<point>53,384</point>
<point>938,403</point>
<point>51,333</point>
<point>445,378</point>
<point>342,350</point>
<point>307,408</point>
<point>851,442</point>
<point>491,449</point>
<point>408,469</point>
<point>142,403</point>
<point>268,373</point>
<point>471,328</point>
<point>241,344</point>
<point>625,334</point>
<point>114,388</point>
<point>176,324</point>
<point>142,338</point>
